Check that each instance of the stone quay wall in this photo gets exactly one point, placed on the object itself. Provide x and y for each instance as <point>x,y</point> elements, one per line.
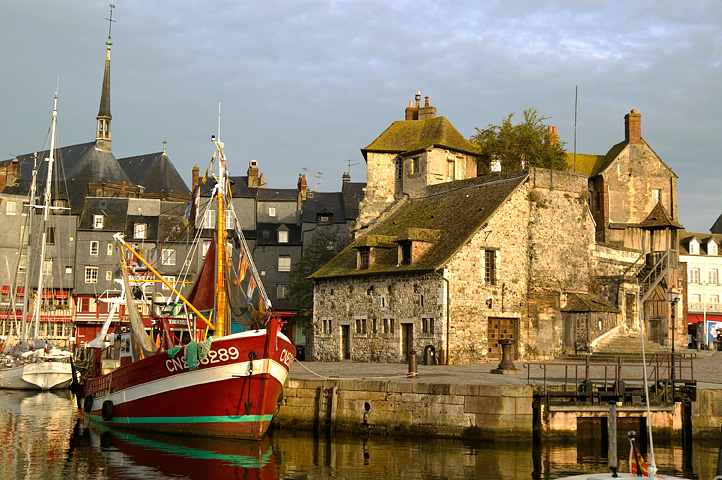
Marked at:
<point>387,407</point>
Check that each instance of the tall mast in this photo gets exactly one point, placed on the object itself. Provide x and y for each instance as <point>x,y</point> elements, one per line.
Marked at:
<point>222,320</point>
<point>46,210</point>
<point>28,249</point>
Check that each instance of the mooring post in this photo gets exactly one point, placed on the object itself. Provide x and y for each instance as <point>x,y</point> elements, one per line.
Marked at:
<point>412,364</point>
<point>612,438</point>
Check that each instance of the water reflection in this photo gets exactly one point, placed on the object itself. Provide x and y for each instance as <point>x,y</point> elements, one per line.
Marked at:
<point>45,437</point>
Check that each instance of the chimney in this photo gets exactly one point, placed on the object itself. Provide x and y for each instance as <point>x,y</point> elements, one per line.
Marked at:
<point>418,99</point>
<point>252,174</point>
<point>261,181</point>
<point>412,113</point>
<point>302,186</point>
<point>195,177</point>
<point>633,127</point>
<point>346,177</point>
<point>553,137</point>
<point>427,112</point>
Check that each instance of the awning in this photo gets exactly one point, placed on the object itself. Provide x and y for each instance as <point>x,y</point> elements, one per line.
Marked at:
<point>47,294</point>
<point>61,294</point>
<point>695,318</point>
<point>6,290</point>
<point>21,291</point>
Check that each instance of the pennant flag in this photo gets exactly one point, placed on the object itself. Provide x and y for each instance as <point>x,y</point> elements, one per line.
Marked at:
<point>251,287</point>
<point>635,458</point>
<point>262,306</point>
<point>203,294</point>
<point>242,268</point>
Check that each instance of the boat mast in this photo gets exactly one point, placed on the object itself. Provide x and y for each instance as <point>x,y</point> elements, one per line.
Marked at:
<point>46,210</point>
<point>31,214</point>
<point>222,320</point>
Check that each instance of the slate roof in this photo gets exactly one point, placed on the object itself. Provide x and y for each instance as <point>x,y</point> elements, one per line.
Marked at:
<point>587,302</point>
<point>415,135</point>
<point>294,234</point>
<point>453,216</point>
<point>353,193</point>
<point>702,238</point>
<point>156,173</point>
<point>329,203</point>
<point>658,219</point>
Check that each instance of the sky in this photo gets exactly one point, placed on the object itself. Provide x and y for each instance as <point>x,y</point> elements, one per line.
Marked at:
<point>304,85</point>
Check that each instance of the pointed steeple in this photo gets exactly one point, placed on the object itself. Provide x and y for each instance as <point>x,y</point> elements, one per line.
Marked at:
<point>102,136</point>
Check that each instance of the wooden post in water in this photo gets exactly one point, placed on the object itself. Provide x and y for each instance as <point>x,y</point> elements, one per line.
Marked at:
<point>612,438</point>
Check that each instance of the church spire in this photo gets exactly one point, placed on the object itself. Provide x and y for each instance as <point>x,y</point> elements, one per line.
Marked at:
<point>102,136</point>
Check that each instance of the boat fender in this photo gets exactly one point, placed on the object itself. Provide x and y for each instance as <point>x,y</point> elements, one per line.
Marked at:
<point>107,410</point>
<point>88,403</point>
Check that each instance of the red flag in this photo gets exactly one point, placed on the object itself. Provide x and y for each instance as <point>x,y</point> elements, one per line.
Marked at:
<point>242,268</point>
<point>251,288</point>
<point>203,294</point>
<point>635,457</point>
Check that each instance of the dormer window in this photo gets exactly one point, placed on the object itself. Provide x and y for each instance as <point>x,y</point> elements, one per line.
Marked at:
<point>364,256</point>
<point>140,230</point>
<point>97,221</point>
<point>324,218</point>
<point>694,247</point>
<point>405,253</point>
<point>712,248</point>
<point>283,236</point>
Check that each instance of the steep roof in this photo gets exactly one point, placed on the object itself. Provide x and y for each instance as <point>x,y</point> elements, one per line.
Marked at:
<point>155,172</point>
<point>453,217</point>
<point>702,238</point>
<point>593,165</point>
<point>414,135</point>
<point>658,218</point>
<point>353,193</point>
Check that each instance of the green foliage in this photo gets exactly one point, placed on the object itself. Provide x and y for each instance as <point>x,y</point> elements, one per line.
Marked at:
<point>528,143</point>
<point>324,245</point>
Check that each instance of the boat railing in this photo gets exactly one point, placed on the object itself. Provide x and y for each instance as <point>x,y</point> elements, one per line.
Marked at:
<point>667,373</point>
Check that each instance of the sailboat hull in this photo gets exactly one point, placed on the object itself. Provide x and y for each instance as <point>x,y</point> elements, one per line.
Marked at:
<point>234,392</point>
<point>37,376</point>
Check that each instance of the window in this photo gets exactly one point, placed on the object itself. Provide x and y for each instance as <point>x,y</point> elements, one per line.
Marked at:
<point>48,266</point>
<point>271,211</point>
<point>388,326</point>
<point>109,275</point>
<point>97,221</point>
<point>170,279</point>
<point>713,276</point>
<point>694,275</point>
<point>712,248</point>
<point>209,219</point>
<point>169,256</point>
<point>714,299</point>
<point>94,247</point>
<point>361,325</point>
<point>50,236</point>
<point>266,234</point>
<point>490,267</point>
<point>140,230</point>
<point>399,168</point>
<point>694,247</point>
<point>656,195</point>
<point>405,249</point>
<point>10,208</point>
<point>206,246</point>
<point>326,327</point>
<point>110,249</point>
<point>364,257</point>
<point>282,236</point>
<point>450,170</point>
<point>284,263</point>
<point>281,291</point>
<point>91,274</point>
<point>427,325</point>
<point>69,269</point>
<point>324,218</point>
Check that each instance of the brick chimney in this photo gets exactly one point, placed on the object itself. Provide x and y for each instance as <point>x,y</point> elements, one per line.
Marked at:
<point>253,174</point>
<point>427,112</point>
<point>553,137</point>
<point>195,177</point>
<point>302,186</point>
<point>633,127</point>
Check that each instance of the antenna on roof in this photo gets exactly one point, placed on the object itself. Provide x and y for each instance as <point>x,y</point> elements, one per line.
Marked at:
<point>350,164</point>
<point>110,25</point>
<point>219,121</point>
<point>576,96</point>
<point>319,175</point>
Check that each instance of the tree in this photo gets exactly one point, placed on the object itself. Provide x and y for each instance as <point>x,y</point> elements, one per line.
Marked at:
<point>515,147</point>
<point>325,243</point>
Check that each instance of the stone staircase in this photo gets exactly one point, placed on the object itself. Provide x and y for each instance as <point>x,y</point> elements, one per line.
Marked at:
<point>627,346</point>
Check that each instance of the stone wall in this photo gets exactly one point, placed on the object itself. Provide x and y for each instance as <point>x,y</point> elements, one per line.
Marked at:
<point>380,187</point>
<point>390,407</point>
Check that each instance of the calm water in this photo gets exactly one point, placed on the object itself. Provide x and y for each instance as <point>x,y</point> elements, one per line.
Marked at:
<point>44,437</point>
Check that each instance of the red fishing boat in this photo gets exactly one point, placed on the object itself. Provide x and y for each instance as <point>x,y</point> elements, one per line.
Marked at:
<point>227,384</point>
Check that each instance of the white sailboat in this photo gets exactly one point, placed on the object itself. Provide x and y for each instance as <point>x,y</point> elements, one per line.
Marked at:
<point>42,368</point>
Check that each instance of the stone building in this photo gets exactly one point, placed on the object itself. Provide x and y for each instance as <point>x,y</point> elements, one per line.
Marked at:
<point>456,264</point>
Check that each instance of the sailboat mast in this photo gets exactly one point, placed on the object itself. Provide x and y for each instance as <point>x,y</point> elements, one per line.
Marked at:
<point>222,320</point>
<point>28,252</point>
<point>46,210</point>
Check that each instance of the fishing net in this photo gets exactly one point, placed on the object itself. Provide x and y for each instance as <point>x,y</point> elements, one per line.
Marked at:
<point>196,352</point>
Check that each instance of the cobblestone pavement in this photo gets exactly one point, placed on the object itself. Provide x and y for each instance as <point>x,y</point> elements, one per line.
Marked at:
<point>707,368</point>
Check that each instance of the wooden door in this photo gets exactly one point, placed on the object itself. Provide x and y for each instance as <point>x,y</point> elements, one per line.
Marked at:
<point>502,328</point>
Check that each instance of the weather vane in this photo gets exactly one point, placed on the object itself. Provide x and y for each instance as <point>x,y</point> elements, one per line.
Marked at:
<point>110,25</point>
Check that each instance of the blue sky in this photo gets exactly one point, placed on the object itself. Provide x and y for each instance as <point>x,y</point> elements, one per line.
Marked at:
<point>306,84</point>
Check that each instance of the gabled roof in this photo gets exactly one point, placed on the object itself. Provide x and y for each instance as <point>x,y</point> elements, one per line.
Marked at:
<point>587,302</point>
<point>456,215</point>
<point>702,238</point>
<point>658,219</point>
<point>415,135</point>
<point>156,173</point>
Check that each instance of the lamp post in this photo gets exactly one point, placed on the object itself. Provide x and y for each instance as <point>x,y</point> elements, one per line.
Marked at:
<point>704,313</point>
<point>673,298</point>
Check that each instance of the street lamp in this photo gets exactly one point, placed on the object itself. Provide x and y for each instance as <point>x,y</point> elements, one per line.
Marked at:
<point>673,298</point>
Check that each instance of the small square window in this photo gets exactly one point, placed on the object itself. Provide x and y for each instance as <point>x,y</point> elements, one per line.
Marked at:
<point>140,230</point>
<point>281,291</point>
<point>110,249</point>
<point>109,275</point>
<point>284,263</point>
<point>10,208</point>
<point>271,211</point>
<point>68,269</point>
<point>97,221</point>
<point>282,236</point>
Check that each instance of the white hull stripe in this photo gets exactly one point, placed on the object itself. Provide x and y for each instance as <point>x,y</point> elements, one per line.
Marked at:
<point>191,379</point>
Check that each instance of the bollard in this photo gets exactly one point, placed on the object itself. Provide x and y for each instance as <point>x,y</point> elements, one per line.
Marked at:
<point>412,364</point>
<point>506,365</point>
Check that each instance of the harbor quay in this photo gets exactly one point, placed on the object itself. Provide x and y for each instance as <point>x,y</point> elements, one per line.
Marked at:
<point>468,401</point>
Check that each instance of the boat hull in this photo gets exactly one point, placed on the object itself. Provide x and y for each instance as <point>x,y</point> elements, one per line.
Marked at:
<point>37,376</point>
<point>234,393</point>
